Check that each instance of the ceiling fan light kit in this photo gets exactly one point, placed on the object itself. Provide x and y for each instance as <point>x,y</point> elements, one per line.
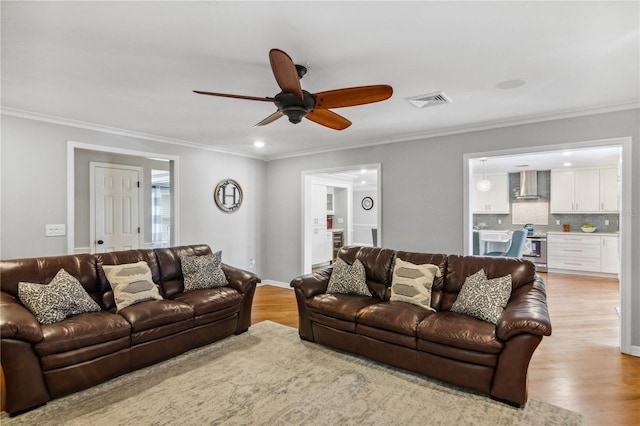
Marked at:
<point>297,104</point>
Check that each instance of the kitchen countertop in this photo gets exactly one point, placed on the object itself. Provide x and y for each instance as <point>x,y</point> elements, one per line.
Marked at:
<point>595,234</point>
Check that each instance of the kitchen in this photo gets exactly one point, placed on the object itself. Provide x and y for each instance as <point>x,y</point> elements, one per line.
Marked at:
<point>342,207</point>
<point>568,201</point>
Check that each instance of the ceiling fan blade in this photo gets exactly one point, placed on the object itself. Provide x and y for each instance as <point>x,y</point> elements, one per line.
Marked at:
<point>285,72</point>
<point>353,96</point>
<point>270,119</point>
<point>329,119</point>
<point>226,95</point>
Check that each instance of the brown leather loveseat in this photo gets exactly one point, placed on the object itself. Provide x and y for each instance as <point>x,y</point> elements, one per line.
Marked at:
<point>45,361</point>
<point>445,345</point>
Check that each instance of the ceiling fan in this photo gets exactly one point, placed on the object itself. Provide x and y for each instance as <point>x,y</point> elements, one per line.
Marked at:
<point>297,104</point>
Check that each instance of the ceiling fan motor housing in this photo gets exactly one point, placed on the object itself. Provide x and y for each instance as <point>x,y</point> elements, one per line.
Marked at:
<point>294,107</point>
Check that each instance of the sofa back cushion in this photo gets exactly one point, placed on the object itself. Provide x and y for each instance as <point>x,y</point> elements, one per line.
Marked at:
<point>171,280</point>
<point>460,267</point>
<point>121,258</point>
<point>435,259</point>
<point>42,270</point>
<point>378,264</point>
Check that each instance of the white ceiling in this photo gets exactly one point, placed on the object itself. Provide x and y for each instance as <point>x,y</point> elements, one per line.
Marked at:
<point>561,159</point>
<point>132,66</point>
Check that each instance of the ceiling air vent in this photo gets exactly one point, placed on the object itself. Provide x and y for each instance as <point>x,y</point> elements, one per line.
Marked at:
<point>431,99</point>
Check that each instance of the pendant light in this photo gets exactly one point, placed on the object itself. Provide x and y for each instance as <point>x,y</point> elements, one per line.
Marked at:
<point>483,184</point>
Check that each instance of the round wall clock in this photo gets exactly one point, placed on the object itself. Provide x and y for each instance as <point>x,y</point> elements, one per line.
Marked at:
<point>228,195</point>
<point>367,203</point>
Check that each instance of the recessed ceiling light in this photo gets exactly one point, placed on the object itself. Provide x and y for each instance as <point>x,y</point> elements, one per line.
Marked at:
<point>510,84</point>
<point>363,171</point>
<point>258,144</point>
<point>364,182</point>
<point>566,153</point>
<point>567,164</point>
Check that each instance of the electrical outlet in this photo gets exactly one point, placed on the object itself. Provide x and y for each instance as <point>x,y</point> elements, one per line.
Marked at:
<point>499,221</point>
<point>252,264</point>
<point>557,222</point>
<point>606,222</point>
<point>55,230</point>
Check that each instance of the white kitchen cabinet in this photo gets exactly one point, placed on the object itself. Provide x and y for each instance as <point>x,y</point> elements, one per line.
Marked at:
<point>318,205</point>
<point>320,251</point>
<point>573,252</point>
<point>609,190</point>
<point>496,200</point>
<point>609,255</point>
<point>583,252</point>
<point>584,191</point>
<point>320,237</point>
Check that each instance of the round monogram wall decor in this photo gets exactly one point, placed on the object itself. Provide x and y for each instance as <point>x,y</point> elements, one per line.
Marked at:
<point>228,195</point>
<point>367,203</point>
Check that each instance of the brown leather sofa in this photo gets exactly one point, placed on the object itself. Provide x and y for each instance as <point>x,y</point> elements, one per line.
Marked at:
<point>41,362</point>
<point>448,346</point>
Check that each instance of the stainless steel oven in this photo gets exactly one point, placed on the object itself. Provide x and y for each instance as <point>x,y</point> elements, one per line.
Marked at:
<point>535,250</point>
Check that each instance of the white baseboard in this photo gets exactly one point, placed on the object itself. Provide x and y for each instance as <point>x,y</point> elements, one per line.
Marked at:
<point>82,250</point>
<point>275,283</point>
<point>635,351</point>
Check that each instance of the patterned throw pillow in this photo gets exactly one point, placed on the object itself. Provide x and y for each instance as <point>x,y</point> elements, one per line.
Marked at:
<point>482,298</point>
<point>63,297</point>
<point>131,283</point>
<point>348,279</point>
<point>203,271</point>
<point>412,283</point>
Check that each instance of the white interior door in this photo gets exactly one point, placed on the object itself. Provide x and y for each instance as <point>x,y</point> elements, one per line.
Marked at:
<point>116,207</point>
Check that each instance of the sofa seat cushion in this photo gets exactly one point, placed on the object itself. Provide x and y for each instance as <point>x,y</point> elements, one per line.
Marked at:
<point>88,353</point>
<point>156,313</point>
<point>209,300</point>
<point>398,317</point>
<point>460,331</point>
<point>341,306</point>
<point>464,355</point>
<point>81,331</point>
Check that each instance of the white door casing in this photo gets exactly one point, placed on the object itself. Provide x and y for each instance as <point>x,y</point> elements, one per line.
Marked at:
<point>115,207</point>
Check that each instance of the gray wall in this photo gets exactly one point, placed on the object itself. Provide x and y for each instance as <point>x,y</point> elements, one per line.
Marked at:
<point>82,159</point>
<point>34,191</point>
<point>422,188</point>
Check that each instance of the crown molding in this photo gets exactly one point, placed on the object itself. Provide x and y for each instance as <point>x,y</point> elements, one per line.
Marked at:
<point>14,112</point>
<point>476,127</point>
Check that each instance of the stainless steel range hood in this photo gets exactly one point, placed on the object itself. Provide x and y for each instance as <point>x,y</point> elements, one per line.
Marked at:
<point>528,185</point>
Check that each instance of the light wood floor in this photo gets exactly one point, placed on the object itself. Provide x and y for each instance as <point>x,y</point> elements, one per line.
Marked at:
<point>579,367</point>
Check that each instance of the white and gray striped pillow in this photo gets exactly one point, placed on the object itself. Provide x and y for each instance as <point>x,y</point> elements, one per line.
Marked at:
<point>412,283</point>
<point>131,283</point>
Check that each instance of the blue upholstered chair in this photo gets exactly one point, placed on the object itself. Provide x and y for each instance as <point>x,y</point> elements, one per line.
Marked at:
<point>518,239</point>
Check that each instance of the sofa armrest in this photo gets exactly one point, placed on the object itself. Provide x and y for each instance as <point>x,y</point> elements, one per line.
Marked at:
<point>239,279</point>
<point>16,321</point>
<point>526,312</point>
<point>310,285</point>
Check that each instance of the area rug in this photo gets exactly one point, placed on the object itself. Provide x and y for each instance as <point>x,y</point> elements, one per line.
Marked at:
<point>268,376</point>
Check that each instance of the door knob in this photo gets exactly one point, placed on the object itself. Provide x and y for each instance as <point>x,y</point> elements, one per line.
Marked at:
<point>100,242</point>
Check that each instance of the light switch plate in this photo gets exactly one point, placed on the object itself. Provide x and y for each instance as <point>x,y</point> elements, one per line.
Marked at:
<point>55,230</point>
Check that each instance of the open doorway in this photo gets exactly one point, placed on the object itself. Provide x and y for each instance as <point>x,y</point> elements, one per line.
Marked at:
<point>624,219</point>
<point>341,207</point>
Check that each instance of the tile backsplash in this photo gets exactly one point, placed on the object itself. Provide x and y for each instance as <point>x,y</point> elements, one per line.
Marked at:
<point>575,221</point>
